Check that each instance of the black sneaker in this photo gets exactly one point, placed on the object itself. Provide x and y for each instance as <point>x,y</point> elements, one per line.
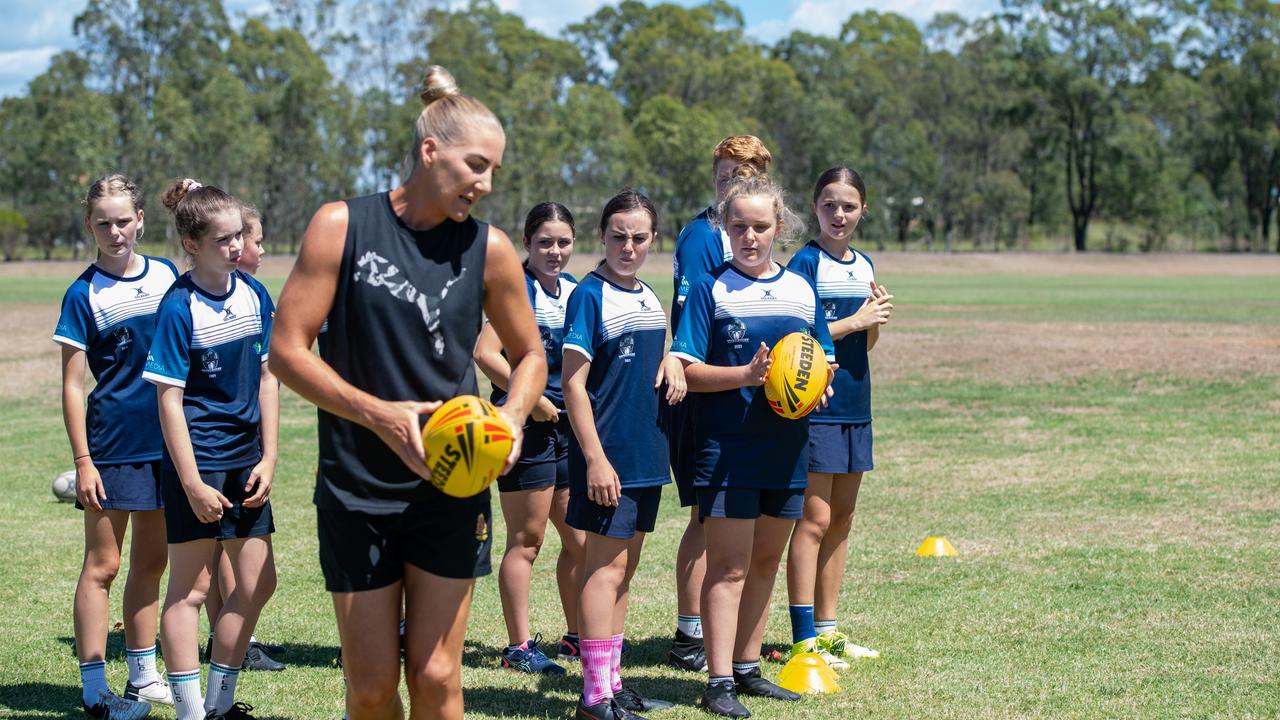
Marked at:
<point>609,709</point>
<point>631,700</point>
<point>239,711</point>
<point>722,699</point>
<point>256,658</point>
<point>687,653</point>
<point>753,683</point>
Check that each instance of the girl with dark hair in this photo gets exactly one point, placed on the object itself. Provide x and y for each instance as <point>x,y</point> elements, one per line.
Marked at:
<point>854,308</point>
<point>537,487</point>
<point>750,461</point>
<point>614,368</point>
<point>107,321</point>
<point>395,286</point>
<point>219,412</point>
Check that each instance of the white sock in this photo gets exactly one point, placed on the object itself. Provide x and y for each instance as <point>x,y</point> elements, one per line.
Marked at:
<point>187,701</point>
<point>690,625</point>
<point>222,688</point>
<point>142,666</point>
<point>93,681</point>
<point>824,626</point>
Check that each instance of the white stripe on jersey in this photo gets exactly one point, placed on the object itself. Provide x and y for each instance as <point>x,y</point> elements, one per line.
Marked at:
<point>112,301</point>
<point>216,322</point>
<point>837,280</point>
<point>623,312</point>
<point>737,296</point>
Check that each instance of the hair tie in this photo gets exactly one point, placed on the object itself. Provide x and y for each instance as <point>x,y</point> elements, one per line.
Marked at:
<point>190,184</point>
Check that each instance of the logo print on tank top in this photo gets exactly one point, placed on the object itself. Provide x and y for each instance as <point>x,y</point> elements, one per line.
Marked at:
<point>379,272</point>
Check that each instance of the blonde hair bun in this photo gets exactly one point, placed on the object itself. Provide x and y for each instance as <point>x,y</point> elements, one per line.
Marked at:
<point>436,83</point>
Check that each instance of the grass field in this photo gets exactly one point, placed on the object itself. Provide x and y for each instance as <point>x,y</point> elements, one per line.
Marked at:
<point>1100,439</point>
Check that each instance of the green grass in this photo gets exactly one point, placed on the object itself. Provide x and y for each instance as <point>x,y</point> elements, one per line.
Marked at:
<point>1117,538</point>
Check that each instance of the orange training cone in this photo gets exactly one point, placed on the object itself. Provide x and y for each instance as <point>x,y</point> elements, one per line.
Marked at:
<point>936,546</point>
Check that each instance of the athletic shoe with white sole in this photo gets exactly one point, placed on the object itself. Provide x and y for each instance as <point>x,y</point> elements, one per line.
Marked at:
<point>812,645</point>
<point>530,659</point>
<point>113,707</point>
<point>155,692</point>
<point>837,643</point>
<point>239,711</point>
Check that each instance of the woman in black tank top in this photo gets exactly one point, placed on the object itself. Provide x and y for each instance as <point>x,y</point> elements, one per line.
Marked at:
<point>393,286</point>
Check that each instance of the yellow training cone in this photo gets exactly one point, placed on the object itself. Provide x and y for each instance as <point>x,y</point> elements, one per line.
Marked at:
<point>808,673</point>
<point>936,546</point>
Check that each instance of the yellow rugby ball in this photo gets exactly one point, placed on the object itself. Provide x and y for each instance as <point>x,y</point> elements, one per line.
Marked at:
<point>797,378</point>
<point>467,442</point>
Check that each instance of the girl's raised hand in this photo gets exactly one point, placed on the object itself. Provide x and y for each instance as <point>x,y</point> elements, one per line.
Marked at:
<point>758,369</point>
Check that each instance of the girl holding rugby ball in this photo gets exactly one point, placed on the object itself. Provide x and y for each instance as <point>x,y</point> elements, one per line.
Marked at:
<point>613,372</point>
<point>751,462</point>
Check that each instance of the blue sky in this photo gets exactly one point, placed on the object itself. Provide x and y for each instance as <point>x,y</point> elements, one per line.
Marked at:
<point>40,28</point>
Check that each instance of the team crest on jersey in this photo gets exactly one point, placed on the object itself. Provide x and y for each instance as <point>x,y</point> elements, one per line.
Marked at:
<point>548,340</point>
<point>227,314</point>
<point>124,338</point>
<point>829,310</point>
<point>626,348</point>
<point>736,331</point>
<point>210,363</point>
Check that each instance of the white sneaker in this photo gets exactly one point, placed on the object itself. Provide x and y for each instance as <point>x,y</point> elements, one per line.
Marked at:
<point>155,692</point>
<point>114,707</point>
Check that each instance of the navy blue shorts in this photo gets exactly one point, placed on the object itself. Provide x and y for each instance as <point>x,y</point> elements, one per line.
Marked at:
<point>130,486</point>
<point>750,503</point>
<point>637,511</point>
<point>181,522</point>
<point>677,423</point>
<point>840,449</point>
<point>360,551</point>
<point>544,457</point>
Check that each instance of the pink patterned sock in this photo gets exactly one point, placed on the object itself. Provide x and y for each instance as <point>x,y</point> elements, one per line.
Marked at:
<point>615,667</point>
<point>596,667</point>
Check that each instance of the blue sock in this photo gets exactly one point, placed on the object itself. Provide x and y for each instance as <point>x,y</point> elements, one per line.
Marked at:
<point>801,623</point>
<point>93,681</point>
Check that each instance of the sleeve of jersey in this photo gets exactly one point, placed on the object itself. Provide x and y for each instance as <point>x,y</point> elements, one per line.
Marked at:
<point>821,331</point>
<point>582,322</point>
<point>684,261</point>
<point>268,320</point>
<point>805,263</point>
<point>693,338</point>
<point>169,359</point>
<point>169,264</point>
<point>76,319</point>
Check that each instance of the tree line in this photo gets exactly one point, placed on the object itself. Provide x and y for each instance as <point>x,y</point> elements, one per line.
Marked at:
<point>1158,120</point>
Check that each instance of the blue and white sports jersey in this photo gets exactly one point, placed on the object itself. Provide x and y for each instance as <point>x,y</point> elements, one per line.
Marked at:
<point>112,319</point>
<point>842,287</point>
<point>548,312</point>
<point>701,248</point>
<point>213,346</point>
<point>623,334</point>
<point>740,440</point>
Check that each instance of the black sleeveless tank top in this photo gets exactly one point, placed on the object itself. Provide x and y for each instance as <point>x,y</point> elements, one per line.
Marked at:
<point>405,317</point>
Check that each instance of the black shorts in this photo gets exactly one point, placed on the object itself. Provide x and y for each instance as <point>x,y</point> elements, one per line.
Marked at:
<point>751,503</point>
<point>677,422</point>
<point>130,486</point>
<point>637,511</point>
<point>544,458</point>
<point>840,449</point>
<point>181,523</point>
<point>360,551</point>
